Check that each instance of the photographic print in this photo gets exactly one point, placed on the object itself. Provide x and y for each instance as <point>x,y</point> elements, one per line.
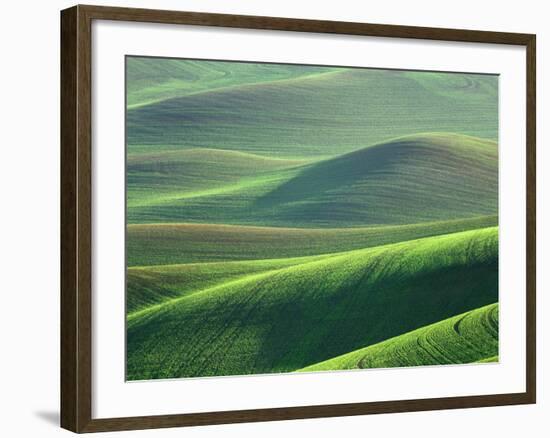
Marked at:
<point>302,218</point>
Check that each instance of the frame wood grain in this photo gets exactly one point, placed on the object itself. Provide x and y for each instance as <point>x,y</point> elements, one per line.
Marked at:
<point>76,173</point>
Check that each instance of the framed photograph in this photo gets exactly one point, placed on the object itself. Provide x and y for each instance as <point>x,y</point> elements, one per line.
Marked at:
<point>270,218</point>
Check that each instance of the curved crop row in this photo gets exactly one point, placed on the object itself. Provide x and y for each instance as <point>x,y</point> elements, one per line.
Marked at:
<point>466,338</point>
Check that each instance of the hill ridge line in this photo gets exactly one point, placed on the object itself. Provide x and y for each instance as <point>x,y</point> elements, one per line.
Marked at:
<point>138,106</point>
<point>248,277</point>
<point>243,154</point>
<point>267,227</point>
<point>418,137</point>
<point>219,190</point>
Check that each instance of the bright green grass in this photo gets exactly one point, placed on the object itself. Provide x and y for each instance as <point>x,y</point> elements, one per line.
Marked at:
<point>170,244</point>
<point>265,203</point>
<point>152,285</point>
<point>489,359</point>
<point>176,249</point>
<point>292,317</point>
<point>469,337</point>
<point>419,178</point>
<point>311,112</point>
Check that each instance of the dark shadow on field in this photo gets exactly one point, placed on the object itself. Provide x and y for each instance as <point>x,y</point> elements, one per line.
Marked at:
<point>326,176</point>
<point>418,178</point>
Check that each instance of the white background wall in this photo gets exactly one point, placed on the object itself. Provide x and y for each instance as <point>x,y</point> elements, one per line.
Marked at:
<point>29,217</point>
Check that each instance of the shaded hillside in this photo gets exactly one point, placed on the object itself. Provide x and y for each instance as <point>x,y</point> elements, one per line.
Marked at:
<point>407,180</point>
<point>466,338</point>
<point>428,177</point>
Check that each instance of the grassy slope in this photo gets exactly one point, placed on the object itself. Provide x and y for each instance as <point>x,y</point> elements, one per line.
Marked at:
<point>151,80</point>
<point>170,244</point>
<point>293,317</point>
<point>278,125</point>
<point>469,337</point>
<point>172,252</point>
<point>311,114</point>
<point>151,285</point>
<point>163,177</point>
<point>411,179</point>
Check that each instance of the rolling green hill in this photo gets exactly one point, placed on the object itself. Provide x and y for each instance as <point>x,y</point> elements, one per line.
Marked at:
<point>419,178</point>
<point>466,338</point>
<point>172,244</point>
<point>407,180</point>
<point>152,285</point>
<point>161,177</point>
<point>285,218</point>
<point>241,251</point>
<point>151,80</point>
<point>318,112</point>
<point>292,317</point>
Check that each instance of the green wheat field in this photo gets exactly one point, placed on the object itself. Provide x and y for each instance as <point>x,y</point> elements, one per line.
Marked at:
<point>289,218</point>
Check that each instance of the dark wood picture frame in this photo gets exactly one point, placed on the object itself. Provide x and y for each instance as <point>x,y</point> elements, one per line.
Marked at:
<point>76,218</point>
